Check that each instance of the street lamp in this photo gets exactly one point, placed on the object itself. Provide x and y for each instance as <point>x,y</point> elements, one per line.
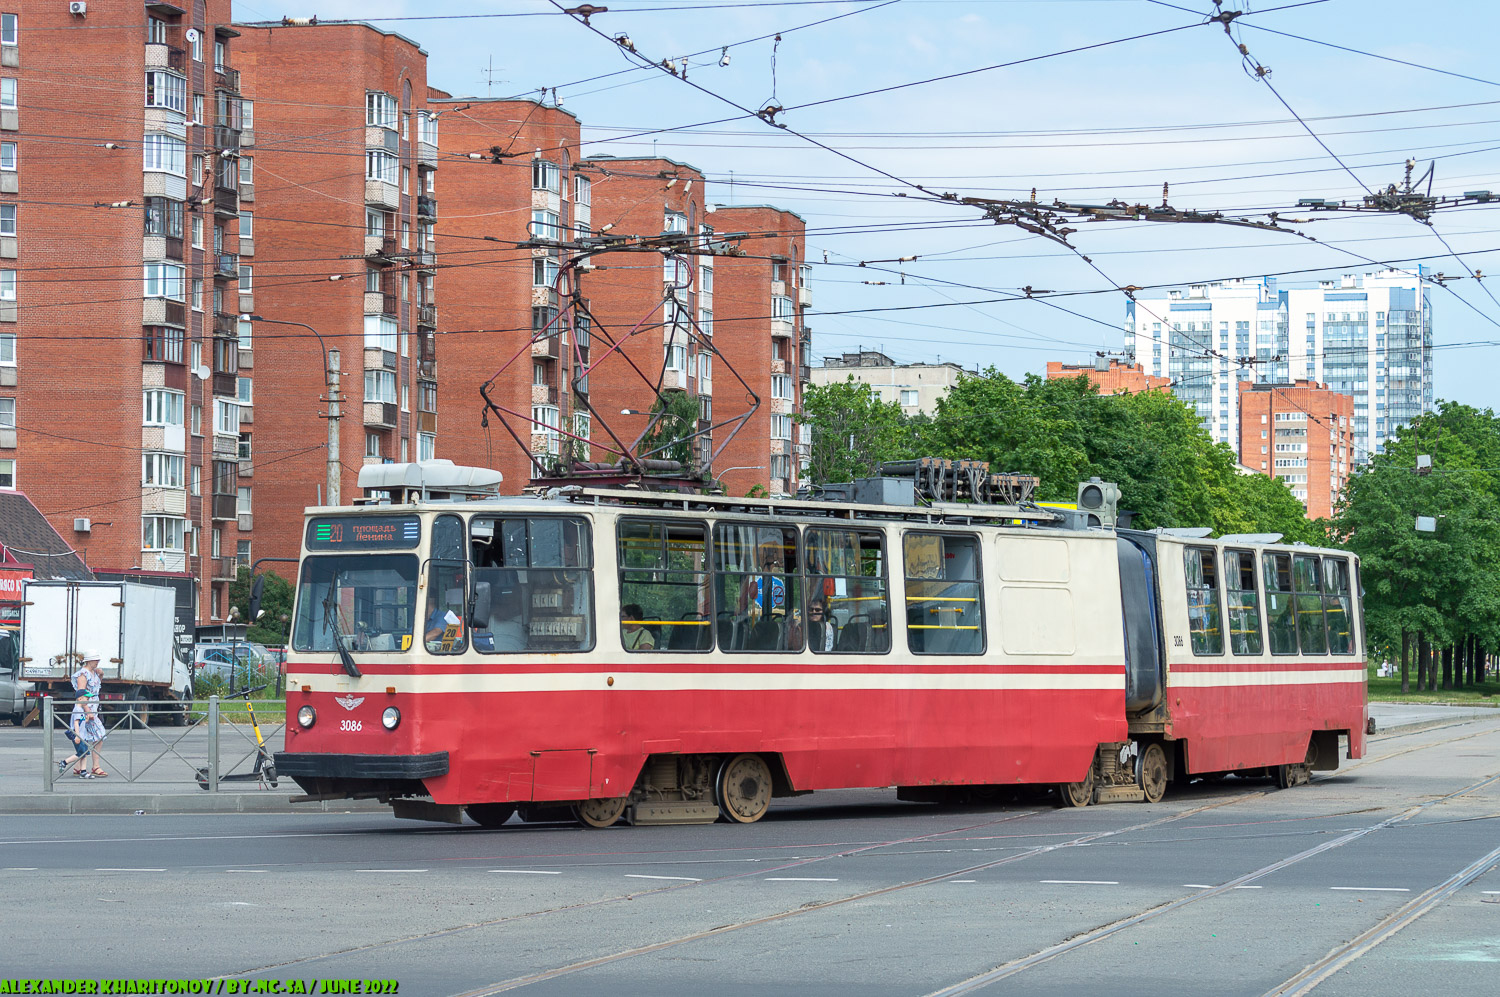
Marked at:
<point>331,367</point>
<point>757,467</point>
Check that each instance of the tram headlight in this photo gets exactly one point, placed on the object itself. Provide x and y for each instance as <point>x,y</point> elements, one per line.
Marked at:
<point>390,718</point>
<point>307,716</point>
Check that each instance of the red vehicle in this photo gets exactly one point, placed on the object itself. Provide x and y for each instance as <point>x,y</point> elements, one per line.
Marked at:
<point>675,658</point>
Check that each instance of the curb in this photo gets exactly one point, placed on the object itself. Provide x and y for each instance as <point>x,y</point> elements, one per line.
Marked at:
<point>178,803</point>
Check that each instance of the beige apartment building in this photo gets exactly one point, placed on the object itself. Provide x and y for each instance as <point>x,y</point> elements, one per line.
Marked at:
<point>916,387</point>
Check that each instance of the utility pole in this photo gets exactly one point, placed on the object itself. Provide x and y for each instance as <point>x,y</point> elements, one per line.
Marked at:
<point>333,427</point>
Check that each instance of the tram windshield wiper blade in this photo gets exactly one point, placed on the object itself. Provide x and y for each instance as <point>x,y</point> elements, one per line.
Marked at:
<point>331,618</point>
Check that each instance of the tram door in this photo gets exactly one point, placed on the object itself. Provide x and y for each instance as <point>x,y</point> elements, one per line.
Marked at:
<point>1143,659</point>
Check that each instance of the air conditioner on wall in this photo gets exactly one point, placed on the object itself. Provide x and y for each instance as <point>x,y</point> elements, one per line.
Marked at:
<point>78,7</point>
<point>82,525</point>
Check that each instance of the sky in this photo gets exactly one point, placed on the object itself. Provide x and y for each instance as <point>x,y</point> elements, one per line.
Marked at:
<point>868,170</point>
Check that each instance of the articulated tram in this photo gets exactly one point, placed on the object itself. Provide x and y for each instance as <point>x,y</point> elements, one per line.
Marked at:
<point>612,653</point>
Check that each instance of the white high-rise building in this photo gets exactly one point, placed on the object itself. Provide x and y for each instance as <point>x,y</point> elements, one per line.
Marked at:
<point>1368,336</point>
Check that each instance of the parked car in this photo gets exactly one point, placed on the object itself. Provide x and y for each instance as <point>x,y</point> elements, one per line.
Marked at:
<point>233,664</point>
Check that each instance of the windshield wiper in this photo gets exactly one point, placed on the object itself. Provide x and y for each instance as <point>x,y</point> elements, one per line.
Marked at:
<point>331,620</point>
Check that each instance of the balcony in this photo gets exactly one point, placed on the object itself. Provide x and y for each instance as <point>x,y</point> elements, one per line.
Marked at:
<point>782,328</point>
<point>381,415</point>
<point>426,422</point>
<point>226,385</point>
<point>227,201</point>
<point>381,248</point>
<point>226,506</point>
<point>545,394</point>
<point>551,347</point>
<point>225,569</point>
<point>426,206</point>
<point>226,266</point>
<point>427,317</point>
<point>226,137</point>
<point>424,259</point>
<point>160,55</point>
<point>427,153</point>
<point>804,296</point>
<point>379,194</point>
<point>227,79</point>
<point>160,311</point>
<point>804,373</point>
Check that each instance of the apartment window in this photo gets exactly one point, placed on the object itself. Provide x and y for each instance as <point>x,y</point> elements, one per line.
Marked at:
<point>372,281</point>
<point>246,392</point>
<point>168,90</point>
<point>247,171</point>
<point>7,349</point>
<point>162,407</point>
<point>247,226</point>
<point>427,128</point>
<point>197,294</point>
<point>7,219</point>
<point>380,386</point>
<point>7,474</point>
<point>380,165</point>
<point>242,501</point>
<point>8,92</point>
<point>164,217</point>
<point>909,398</point>
<point>163,280</point>
<point>781,386</point>
<point>705,367</point>
<point>546,225</point>
<point>373,444</point>
<point>215,551</point>
<point>544,271</point>
<point>375,223</point>
<point>781,466</point>
<point>781,308</point>
<point>674,221</point>
<point>226,418</point>
<point>405,398</point>
<point>197,418</point>
<point>538,372</point>
<point>8,412</point>
<point>706,321</point>
<point>162,470</point>
<point>10,29</point>
<point>195,45</point>
<point>247,278</point>
<point>545,176</point>
<point>781,427</point>
<point>406,235</point>
<point>380,333</point>
<point>163,344</point>
<point>8,157</point>
<point>162,533</point>
<point>546,420</point>
<point>583,191</point>
<point>677,358</point>
<point>166,154</point>
<point>427,396</point>
<point>406,179</point>
<point>380,110</point>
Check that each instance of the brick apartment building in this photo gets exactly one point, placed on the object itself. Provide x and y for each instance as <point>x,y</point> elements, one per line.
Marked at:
<point>119,377</point>
<point>1301,433</point>
<point>494,296</point>
<point>344,180</point>
<point>758,315</point>
<point>1115,379</point>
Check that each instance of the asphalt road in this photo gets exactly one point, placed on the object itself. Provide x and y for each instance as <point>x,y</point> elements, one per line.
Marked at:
<point>1232,888</point>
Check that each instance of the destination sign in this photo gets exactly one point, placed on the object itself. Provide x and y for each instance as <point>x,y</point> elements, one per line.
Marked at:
<point>363,533</point>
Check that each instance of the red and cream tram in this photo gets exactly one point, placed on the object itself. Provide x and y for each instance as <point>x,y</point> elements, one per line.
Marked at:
<point>673,658</point>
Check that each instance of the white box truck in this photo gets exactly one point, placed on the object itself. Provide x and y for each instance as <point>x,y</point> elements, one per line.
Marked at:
<point>129,625</point>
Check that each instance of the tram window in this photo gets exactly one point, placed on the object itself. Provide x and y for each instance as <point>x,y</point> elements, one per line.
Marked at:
<point>1242,602</point>
<point>445,627</point>
<point>1203,600</point>
<point>533,584</point>
<point>1281,618</point>
<point>367,599</point>
<point>846,581</point>
<point>1306,579</point>
<point>1337,606</point>
<point>758,588</point>
<point>664,599</point>
<point>944,607</point>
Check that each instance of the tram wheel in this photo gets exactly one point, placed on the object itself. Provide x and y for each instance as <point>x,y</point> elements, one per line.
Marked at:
<point>601,812</point>
<point>1078,794</point>
<point>1287,776</point>
<point>1151,772</point>
<point>490,814</point>
<point>744,788</point>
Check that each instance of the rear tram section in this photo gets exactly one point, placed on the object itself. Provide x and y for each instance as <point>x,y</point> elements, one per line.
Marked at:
<point>607,654</point>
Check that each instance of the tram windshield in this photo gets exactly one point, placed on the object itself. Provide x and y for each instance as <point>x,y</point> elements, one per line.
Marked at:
<point>368,600</point>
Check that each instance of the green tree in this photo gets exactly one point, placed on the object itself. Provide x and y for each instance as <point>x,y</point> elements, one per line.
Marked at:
<point>853,431</point>
<point>275,603</point>
<point>671,437</point>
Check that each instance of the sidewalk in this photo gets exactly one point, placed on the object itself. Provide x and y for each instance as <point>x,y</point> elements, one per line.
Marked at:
<point>166,784</point>
<point>1391,717</point>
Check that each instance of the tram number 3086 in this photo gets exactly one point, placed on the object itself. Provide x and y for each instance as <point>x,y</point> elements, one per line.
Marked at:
<point>350,725</point>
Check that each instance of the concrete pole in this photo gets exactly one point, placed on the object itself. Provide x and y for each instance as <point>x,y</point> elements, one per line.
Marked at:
<point>333,427</point>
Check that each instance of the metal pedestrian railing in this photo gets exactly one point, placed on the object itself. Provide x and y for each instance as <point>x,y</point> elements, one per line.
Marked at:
<point>206,743</point>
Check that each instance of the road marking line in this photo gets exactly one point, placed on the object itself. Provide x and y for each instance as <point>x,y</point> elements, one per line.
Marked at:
<point>1372,889</point>
<point>963,880</point>
<point>130,870</point>
<point>799,879</point>
<point>20,868</point>
<point>685,879</point>
<point>247,870</point>
<point>527,872</point>
<point>1196,886</point>
<point>1249,887</point>
<point>1083,882</point>
<point>1490,892</point>
<point>390,870</point>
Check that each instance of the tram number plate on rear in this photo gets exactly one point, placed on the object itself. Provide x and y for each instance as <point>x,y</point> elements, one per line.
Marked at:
<point>557,626</point>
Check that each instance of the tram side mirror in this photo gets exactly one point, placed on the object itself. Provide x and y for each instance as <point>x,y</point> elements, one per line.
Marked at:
<point>256,588</point>
<point>479,611</point>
